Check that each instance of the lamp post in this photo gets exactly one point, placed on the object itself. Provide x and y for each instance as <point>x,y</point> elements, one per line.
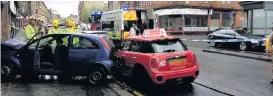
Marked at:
<point>265,10</point>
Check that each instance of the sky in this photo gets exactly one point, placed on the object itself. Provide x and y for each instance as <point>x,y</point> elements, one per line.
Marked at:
<point>64,8</point>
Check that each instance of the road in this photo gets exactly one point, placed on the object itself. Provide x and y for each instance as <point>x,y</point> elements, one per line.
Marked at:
<point>228,74</point>
<point>220,75</point>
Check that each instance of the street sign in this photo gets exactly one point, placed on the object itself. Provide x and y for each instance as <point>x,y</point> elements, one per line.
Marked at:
<point>125,7</point>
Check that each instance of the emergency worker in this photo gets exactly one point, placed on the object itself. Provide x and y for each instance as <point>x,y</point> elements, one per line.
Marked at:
<point>55,29</point>
<point>270,50</point>
<point>74,26</point>
<point>69,25</point>
<point>39,26</point>
<point>29,29</point>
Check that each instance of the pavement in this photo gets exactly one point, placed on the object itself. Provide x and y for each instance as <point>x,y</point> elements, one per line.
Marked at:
<point>220,75</point>
<point>53,88</point>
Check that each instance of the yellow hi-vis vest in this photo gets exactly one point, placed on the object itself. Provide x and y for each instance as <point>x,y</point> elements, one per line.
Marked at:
<point>29,31</point>
<point>54,30</point>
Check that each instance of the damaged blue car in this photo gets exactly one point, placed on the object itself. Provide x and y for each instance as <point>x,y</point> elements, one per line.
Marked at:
<point>65,55</point>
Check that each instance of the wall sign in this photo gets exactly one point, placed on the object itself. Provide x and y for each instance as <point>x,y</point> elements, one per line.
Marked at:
<point>182,11</point>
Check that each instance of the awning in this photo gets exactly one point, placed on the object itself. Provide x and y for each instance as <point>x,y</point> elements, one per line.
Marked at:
<point>185,11</point>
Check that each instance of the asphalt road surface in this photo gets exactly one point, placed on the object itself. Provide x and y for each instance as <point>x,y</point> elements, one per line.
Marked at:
<point>220,75</point>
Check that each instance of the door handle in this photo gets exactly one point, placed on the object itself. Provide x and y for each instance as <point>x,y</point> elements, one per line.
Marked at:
<point>134,57</point>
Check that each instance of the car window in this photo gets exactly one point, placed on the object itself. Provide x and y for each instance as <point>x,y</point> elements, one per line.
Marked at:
<point>42,42</point>
<point>83,43</point>
<point>231,32</point>
<point>126,45</point>
<point>160,46</point>
<point>220,32</point>
<point>146,47</point>
<point>135,46</point>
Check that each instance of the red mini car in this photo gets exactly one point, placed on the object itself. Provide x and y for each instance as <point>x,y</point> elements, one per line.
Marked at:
<point>157,58</point>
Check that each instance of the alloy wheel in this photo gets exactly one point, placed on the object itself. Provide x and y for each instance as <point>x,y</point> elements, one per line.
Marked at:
<point>243,46</point>
<point>6,70</point>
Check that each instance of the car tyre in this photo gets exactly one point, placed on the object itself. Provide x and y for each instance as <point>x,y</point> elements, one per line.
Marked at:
<point>188,81</point>
<point>97,76</point>
<point>244,46</point>
<point>141,78</point>
<point>8,72</point>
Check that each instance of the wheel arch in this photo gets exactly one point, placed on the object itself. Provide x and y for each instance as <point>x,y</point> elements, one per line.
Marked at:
<point>98,65</point>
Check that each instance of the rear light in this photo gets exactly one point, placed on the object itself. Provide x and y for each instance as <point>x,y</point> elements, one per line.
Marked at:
<point>105,43</point>
<point>156,64</point>
<point>192,59</point>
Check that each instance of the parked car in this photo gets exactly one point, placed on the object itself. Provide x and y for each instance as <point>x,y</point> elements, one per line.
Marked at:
<point>65,55</point>
<point>159,59</point>
<point>243,41</point>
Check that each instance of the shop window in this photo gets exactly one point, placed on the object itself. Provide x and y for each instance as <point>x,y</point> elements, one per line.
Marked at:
<point>187,22</point>
<point>215,19</point>
<point>204,21</point>
<point>195,21</point>
<point>225,20</point>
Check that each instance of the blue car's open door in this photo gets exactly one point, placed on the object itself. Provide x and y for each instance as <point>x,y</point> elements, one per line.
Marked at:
<point>30,57</point>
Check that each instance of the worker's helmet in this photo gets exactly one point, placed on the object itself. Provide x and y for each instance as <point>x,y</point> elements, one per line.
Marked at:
<point>55,23</point>
<point>74,24</point>
<point>68,23</point>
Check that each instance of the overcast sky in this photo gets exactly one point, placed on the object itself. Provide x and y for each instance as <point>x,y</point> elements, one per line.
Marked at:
<point>64,8</point>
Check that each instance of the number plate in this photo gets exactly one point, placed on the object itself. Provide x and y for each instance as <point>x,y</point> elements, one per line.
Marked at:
<point>178,61</point>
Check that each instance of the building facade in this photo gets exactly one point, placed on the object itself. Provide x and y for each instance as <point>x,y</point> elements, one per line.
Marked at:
<point>86,7</point>
<point>54,15</point>
<point>257,23</point>
<point>13,18</point>
<point>189,16</point>
<point>39,9</point>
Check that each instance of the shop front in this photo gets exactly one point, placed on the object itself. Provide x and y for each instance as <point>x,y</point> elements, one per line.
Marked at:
<point>259,17</point>
<point>189,20</point>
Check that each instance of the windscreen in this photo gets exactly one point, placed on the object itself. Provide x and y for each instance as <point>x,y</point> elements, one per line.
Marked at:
<point>161,46</point>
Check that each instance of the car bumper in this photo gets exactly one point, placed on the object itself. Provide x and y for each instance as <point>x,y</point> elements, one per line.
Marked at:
<point>258,45</point>
<point>179,75</point>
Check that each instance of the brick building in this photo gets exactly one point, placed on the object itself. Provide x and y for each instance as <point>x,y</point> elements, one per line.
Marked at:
<point>189,16</point>
<point>86,7</point>
<point>40,9</point>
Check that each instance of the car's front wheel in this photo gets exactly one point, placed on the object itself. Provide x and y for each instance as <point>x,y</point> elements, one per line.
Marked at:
<point>8,72</point>
<point>243,46</point>
<point>97,76</point>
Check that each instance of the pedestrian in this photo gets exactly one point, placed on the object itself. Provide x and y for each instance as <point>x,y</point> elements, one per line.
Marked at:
<point>270,50</point>
<point>142,27</point>
<point>55,27</point>
<point>29,29</point>
<point>133,30</point>
<point>12,31</point>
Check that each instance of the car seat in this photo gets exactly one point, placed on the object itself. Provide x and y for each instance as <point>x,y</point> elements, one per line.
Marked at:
<point>60,54</point>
